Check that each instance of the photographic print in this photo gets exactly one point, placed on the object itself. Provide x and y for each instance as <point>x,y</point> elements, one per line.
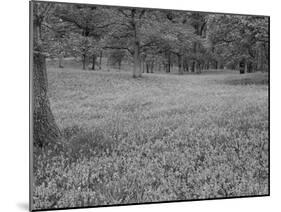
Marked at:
<point>145,105</point>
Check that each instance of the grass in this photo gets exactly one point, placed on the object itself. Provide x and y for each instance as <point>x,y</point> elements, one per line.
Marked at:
<point>158,138</point>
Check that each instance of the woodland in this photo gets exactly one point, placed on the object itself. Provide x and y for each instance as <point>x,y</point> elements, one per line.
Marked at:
<point>137,105</point>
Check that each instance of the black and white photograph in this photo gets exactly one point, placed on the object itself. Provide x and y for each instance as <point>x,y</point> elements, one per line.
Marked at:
<point>137,105</point>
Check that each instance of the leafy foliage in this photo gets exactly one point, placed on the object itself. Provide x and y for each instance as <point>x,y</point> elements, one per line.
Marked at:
<point>193,41</point>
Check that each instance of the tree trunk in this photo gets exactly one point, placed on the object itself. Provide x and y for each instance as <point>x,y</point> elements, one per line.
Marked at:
<point>119,64</point>
<point>180,64</point>
<point>216,64</point>
<point>45,130</point>
<point>199,67</point>
<point>242,67</point>
<point>137,63</point>
<point>169,62</point>
<point>193,66</point>
<point>84,61</point>
<point>94,62</point>
<point>246,67</point>
<point>60,61</point>
<point>260,57</point>
<point>100,59</point>
<point>185,67</point>
<point>137,68</point>
<point>159,66</point>
<point>169,67</point>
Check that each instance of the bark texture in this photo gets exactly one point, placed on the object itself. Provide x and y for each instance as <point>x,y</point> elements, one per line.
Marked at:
<point>45,130</point>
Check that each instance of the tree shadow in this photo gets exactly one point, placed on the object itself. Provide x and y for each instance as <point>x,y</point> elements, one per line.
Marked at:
<point>248,79</point>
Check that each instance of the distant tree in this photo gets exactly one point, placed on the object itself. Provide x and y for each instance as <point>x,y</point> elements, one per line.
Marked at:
<point>116,56</point>
<point>177,37</point>
<point>132,32</point>
<point>58,47</point>
<point>55,34</point>
<point>84,48</point>
<point>239,40</point>
<point>89,24</point>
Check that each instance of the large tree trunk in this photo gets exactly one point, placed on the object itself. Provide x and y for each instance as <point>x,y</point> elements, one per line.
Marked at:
<point>45,130</point>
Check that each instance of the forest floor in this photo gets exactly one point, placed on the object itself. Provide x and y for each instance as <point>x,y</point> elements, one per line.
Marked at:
<point>161,137</point>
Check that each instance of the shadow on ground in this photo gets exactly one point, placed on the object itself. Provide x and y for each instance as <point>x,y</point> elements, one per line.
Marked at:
<point>248,79</point>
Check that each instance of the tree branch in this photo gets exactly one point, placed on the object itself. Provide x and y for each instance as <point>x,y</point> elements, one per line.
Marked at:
<point>105,25</point>
<point>225,41</point>
<point>70,20</point>
<point>47,9</point>
<point>119,47</point>
<point>141,13</point>
<point>149,44</point>
<point>123,13</point>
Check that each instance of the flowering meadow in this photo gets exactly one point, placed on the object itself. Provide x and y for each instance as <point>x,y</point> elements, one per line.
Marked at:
<point>156,138</point>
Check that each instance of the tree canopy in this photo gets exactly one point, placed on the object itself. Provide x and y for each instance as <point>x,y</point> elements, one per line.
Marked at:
<point>191,41</point>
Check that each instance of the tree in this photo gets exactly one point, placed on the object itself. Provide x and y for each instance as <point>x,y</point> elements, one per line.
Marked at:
<point>116,56</point>
<point>132,32</point>
<point>239,40</point>
<point>55,34</point>
<point>89,24</point>
<point>45,129</point>
<point>177,38</point>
